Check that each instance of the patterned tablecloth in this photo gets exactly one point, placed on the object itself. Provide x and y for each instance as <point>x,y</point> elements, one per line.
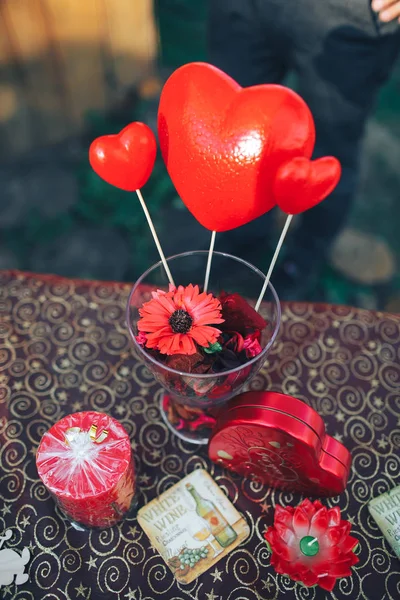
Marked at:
<point>64,347</point>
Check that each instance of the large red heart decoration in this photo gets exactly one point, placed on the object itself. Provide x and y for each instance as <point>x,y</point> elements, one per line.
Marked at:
<point>125,159</point>
<point>223,144</point>
<point>301,184</point>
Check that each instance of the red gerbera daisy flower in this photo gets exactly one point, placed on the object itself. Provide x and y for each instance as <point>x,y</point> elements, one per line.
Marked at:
<point>173,321</point>
<point>311,544</point>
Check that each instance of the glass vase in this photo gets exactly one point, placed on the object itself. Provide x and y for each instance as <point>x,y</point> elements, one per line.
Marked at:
<point>192,401</point>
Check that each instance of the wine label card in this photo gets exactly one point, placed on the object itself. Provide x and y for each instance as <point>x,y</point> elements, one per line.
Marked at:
<point>193,525</point>
<point>385,510</point>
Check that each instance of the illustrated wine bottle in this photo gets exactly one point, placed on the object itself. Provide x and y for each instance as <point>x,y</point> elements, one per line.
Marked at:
<point>220,528</point>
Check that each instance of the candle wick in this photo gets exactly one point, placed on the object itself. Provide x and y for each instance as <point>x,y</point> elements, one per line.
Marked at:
<point>311,542</point>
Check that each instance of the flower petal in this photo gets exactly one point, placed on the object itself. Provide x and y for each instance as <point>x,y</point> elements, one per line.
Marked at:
<point>301,524</point>
<point>334,516</point>
<point>270,535</point>
<point>164,344</point>
<point>167,302</point>
<point>333,568</point>
<point>160,333</point>
<point>187,344</point>
<point>285,533</point>
<point>348,544</point>
<point>309,579</point>
<point>176,344</point>
<point>281,549</point>
<point>204,335</point>
<point>308,508</point>
<point>334,535</point>
<point>345,527</point>
<point>327,583</point>
<point>152,343</point>
<point>319,522</point>
<point>284,515</point>
<point>280,566</point>
<point>158,293</point>
<point>209,318</point>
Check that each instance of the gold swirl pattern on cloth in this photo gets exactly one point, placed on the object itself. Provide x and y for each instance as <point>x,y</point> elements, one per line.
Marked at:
<point>64,347</point>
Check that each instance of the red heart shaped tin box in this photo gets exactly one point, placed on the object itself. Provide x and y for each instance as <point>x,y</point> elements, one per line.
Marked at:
<point>280,441</point>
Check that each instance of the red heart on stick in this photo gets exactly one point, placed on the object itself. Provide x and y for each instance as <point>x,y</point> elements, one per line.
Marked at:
<point>301,184</point>
<point>126,159</point>
<point>223,144</point>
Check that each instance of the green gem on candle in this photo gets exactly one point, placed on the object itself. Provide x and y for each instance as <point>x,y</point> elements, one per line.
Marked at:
<point>309,545</point>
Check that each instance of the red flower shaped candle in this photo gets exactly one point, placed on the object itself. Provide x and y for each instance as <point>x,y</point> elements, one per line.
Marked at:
<point>85,461</point>
<point>311,544</point>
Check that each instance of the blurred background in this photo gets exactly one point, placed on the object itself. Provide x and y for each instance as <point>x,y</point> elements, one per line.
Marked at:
<point>71,71</point>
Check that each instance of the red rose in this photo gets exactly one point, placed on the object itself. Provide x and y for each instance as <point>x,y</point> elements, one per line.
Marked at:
<point>238,314</point>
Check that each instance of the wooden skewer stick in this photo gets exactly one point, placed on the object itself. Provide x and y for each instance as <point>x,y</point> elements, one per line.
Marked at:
<point>209,259</point>
<point>155,237</point>
<point>273,261</point>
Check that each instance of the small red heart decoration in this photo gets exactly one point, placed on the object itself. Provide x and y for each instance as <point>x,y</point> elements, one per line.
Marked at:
<point>126,159</point>
<point>301,184</point>
<point>223,144</point>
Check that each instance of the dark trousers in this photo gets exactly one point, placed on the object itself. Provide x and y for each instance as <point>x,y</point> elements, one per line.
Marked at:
<point>342,55</point>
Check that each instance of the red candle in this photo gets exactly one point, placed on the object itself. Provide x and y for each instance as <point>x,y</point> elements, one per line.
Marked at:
<point>311,543</point>
<point>85,461</point>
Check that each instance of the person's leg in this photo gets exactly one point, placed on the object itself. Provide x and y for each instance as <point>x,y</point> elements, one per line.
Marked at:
<point>245,43</point>
<point>342,59</point>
